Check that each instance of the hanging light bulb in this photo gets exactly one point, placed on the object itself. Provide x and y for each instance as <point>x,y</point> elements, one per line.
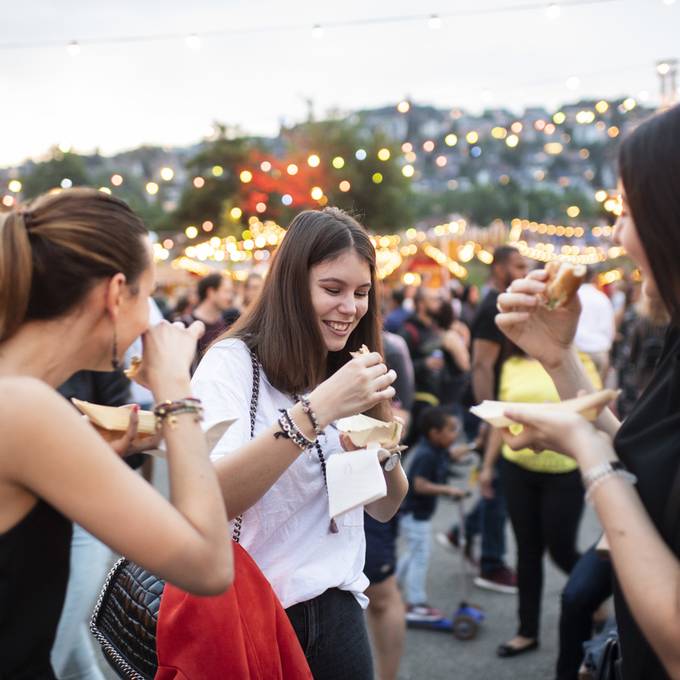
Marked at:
<point>317,31</point>
<point>73,48</point>
<point>573,83</point>
<point>193,42</point>
<point>434,22</point>
<point>553,11</point>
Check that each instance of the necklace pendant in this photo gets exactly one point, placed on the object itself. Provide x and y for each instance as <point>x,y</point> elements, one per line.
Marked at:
<point>333,527</point>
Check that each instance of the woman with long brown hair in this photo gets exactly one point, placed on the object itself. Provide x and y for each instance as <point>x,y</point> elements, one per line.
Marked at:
<point>76,271</point>
<point>292,347</point>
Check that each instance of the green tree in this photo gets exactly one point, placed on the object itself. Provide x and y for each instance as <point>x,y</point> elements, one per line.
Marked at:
<point>379,194</point>
<point>49,174</point>
<point>218,163</point>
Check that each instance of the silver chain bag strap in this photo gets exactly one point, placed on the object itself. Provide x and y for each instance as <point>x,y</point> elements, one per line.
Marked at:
<point>125,616</point>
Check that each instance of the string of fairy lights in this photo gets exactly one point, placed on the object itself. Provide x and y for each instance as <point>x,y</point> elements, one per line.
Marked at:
<point>445,243</point>
<point>194,40</point>
<point>451,245</point>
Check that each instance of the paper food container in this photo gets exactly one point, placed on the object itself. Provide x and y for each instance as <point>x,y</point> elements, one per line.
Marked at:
<point>364,430</point>
<point>589,406</point>
<point>116,418</point>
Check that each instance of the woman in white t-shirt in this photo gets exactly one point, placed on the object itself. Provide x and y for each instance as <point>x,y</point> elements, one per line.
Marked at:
<point>318,303</point>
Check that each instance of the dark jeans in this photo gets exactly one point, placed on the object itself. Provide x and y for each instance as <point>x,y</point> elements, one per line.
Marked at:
<point>545,511</point>
<point>332,632</point>
<point>589,585</point>
<point>488,519</point>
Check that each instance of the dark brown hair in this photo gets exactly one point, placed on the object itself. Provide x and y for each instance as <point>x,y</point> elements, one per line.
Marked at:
<point>54,250</point>
<point>210,282</point>
<point>281,327</point>
<point>649,164</point>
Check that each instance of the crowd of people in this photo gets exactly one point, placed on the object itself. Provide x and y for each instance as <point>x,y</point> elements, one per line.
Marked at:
<point>279,355</point>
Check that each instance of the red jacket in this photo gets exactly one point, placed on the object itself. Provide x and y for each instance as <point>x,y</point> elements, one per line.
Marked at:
<point>243,634</point>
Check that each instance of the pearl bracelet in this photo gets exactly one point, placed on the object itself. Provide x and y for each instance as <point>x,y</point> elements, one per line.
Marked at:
<point>599,474</point>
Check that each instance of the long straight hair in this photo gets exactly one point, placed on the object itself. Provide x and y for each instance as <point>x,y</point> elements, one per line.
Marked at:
<point>649,165</point>
<point>281,326</point>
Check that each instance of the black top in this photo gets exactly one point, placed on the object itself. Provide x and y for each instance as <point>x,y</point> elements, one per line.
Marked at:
<point>484,328</point>
<point>648,442</point>
<point>431,463</point>
<point>34,565</point>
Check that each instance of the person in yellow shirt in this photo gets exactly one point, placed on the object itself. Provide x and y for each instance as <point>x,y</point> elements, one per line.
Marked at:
<point>544,496</point>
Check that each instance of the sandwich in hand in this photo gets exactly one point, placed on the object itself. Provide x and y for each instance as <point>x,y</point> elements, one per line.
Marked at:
<point>563,281</point>
<point>362,350</point>
<point>133,369</point>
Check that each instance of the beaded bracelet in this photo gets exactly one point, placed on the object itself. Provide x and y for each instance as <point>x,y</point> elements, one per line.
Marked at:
<point>169,410</point>
<point>307,409</point>
<point>601,473</point>
<point>291,431</point>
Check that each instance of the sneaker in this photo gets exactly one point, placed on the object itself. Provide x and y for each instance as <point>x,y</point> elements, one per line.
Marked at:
<point>448,540</point>
<point>451,541</point>
<point>501,580</point>
<point>423,612</point>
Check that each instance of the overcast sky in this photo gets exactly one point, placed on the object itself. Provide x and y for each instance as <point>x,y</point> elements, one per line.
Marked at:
<point>117,96</point>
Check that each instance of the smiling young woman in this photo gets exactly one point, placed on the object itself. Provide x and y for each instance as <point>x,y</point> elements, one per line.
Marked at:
<point>318,303</point>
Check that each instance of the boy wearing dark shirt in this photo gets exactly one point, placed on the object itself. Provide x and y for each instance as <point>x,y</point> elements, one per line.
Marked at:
<point>427,481</point>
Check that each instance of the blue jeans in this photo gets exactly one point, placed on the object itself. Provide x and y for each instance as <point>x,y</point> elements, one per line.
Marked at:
<point>73,655</point>
<point>331,629</point>
<point>412,565</point>
<point>589,585</point>
<point>488,518</point>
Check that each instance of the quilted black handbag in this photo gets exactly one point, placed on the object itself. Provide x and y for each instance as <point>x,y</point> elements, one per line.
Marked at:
<point>125,616</point>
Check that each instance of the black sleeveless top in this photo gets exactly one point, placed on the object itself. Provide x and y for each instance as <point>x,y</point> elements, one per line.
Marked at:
<point>34,566</point>
<point>648,443</point>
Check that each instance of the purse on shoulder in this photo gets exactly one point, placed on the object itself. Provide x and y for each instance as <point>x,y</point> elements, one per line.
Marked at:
<point>125,616</point>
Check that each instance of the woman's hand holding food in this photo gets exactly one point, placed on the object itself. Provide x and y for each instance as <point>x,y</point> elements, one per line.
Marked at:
<point>526,320</point>
<point>359,385</point>
<point>562,431</point>
<point>169,350</point>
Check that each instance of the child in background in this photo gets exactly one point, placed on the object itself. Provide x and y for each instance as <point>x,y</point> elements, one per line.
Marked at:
<point>427,481</point>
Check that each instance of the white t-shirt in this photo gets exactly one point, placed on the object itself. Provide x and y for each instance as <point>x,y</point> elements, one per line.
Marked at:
<point>595,331</point>
<point>287,531</point>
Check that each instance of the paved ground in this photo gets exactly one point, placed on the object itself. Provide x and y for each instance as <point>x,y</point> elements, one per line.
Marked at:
<point>439,656</point>
<point>434,655</point>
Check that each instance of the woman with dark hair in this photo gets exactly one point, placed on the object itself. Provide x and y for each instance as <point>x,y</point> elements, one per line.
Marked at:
<point>292,349</point>
<point>76,271</point>
<point>641,522</point>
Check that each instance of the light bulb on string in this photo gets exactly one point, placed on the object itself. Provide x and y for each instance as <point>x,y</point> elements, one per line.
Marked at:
<point>573,82</point>
<point>668,2</point>
<point>317,31</point>
<point>193,42</point>
<point>73,48</point>
<point>553,11</point>
<point>434,22</point>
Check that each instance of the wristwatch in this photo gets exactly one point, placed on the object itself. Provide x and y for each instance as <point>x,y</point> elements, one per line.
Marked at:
<point>390,463</point>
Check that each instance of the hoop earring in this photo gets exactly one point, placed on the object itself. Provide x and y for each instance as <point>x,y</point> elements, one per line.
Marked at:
<point>115,362</point>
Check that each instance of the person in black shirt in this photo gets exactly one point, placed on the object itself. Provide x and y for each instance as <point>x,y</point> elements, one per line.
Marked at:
<point>427,475</point>
<point>641,522</point>
<point>215,300</point>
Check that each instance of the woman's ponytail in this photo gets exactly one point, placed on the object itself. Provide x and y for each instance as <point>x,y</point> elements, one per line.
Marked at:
<point>16,271</point>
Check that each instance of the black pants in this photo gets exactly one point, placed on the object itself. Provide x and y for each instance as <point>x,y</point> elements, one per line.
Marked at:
<point>589,585</point>
<point>545,510</point>
<point>331,629</point>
